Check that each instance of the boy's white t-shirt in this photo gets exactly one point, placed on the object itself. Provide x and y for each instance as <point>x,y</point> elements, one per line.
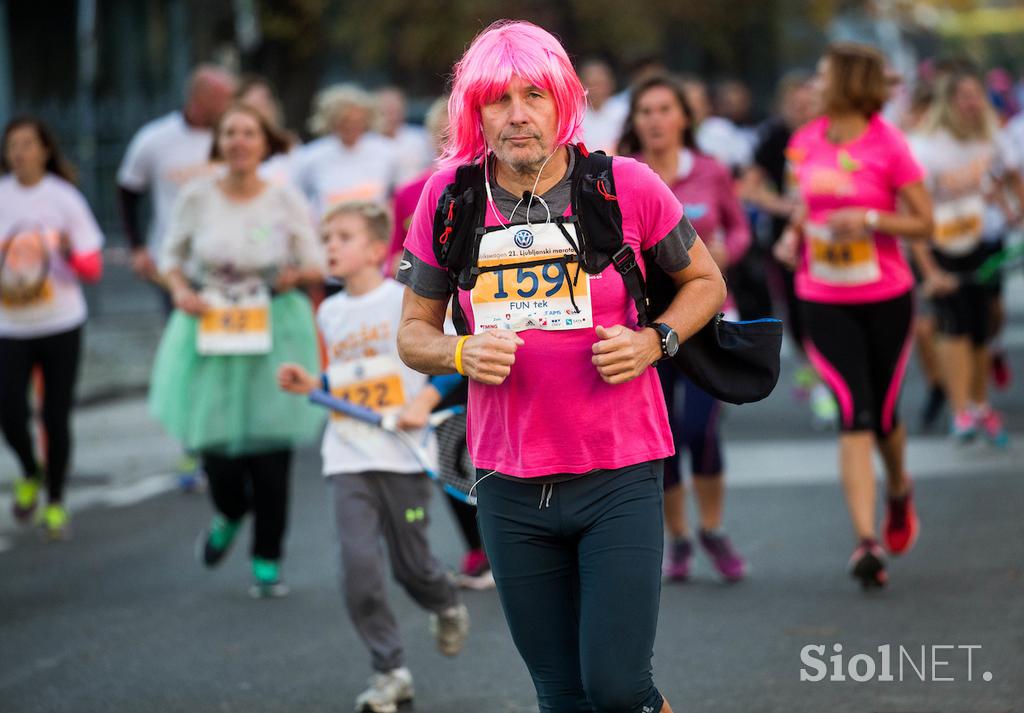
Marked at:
<point>163,156</point>
<point>360,334</point>
<point>50,207</point>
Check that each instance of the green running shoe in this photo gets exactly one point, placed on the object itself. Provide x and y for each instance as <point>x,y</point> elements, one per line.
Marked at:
<point>267,582</point>
<point>824,409</point>
<point>26,498</point>
<point>215,542</point>
<point>55,522</point>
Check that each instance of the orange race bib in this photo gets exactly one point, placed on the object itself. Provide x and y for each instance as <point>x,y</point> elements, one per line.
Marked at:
<point>959,224</point>
<point>845,263</point>
<point>537,287</point>
<point>371,382</point>
<point>237,323</point>
<point>25,257</point>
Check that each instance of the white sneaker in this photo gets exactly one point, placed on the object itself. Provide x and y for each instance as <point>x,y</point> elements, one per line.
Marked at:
<point>386,692</point>
<point>479,583</point>
<point>450,628</point>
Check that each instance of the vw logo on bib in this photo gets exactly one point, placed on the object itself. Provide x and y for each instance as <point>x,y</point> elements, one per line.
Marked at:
<point>523,238</point>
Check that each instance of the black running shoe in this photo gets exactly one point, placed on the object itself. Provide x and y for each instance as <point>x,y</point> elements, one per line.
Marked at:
<point>867,564</point>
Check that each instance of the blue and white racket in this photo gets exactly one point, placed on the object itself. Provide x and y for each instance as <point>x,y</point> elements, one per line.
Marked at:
<point>452,468</point>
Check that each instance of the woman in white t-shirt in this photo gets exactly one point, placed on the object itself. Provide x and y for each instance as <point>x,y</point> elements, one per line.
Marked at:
<point>49,242</point>
<point>957,146</point>
<point>348,162</point>
<point>237,248</point>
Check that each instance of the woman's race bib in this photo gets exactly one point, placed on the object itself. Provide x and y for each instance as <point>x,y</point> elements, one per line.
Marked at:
<point>238,321</point>
<point>539,284</point>
<point>959,224</point>
<point>846,263</point>
<point>25,257</point>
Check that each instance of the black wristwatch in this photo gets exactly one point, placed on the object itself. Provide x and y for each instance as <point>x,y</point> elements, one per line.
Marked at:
<point>669,339</point>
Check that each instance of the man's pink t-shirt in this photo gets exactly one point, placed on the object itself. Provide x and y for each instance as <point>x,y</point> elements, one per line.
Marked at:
<point>867,172</point>
<point>554,414</point>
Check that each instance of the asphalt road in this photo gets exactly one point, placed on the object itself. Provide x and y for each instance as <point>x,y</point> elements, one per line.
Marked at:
<point>122,619</point>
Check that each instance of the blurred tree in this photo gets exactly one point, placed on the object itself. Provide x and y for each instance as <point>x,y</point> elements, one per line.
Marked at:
<point>419,40</point>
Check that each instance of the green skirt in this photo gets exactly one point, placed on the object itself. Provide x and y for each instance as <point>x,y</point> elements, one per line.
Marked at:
<point>231,405</point>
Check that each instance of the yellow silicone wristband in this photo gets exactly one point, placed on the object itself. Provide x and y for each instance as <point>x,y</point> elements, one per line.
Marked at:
<point>458,353</point>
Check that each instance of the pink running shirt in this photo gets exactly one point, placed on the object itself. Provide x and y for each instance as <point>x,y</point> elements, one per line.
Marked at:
<point>867,172</point>
<point>403,206</point>
<point>554,414</point>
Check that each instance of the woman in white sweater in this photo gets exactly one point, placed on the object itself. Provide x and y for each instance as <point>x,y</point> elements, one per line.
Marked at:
<point>237,249</point>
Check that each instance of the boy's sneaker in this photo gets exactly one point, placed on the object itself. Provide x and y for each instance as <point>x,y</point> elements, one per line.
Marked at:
<point>867,565</point>
<point>964,427</point>
<point>450,628</point>
<point>992,425</point>
<point>26,498</point>
<point>267,582</point>
<point>215,542</point>
<point>728,563</point>
<point>680,557</point>
<point>900,526</point>
<point>386,692</point>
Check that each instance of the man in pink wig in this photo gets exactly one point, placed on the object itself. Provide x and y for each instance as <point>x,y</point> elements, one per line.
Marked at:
<point>567,422</point>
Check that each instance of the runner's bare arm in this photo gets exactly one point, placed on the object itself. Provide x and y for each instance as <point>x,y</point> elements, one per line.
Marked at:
<point>423,345</point>
<point>913,222</point>
<point>185,298</point>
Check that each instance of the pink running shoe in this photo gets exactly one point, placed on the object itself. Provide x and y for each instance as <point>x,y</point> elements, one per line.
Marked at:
<point>728,563</point>
<point>992,425</point>
<point>680,557</point>
<point>474,563</point>
<point>964,427</point>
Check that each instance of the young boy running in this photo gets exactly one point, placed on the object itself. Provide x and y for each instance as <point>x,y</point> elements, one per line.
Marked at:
<point>379,488</point>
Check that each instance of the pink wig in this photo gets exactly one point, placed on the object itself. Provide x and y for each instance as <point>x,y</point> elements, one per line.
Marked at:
<point>506,49</point>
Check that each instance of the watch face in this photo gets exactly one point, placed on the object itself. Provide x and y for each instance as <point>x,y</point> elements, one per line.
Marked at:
<point>671,343</point>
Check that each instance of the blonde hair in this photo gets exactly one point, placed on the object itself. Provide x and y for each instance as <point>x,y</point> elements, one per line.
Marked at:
<point>329,103</point>
<point>941,114</point>
<point>436,115</point>
<point>375,215</point>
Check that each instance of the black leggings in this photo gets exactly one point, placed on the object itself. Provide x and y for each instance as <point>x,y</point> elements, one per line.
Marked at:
<point>58,356</point>
<point>578,570</point>
<point>861,352</point>
<point>258,483</point>
<point>693,415</point>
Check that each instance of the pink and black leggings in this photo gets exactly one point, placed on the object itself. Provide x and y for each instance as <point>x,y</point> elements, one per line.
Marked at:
<point>861,351</point>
